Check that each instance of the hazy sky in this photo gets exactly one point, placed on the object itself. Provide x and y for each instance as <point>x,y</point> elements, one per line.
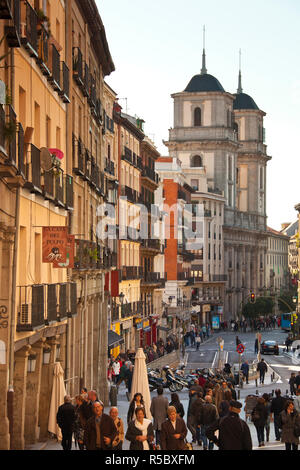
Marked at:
<point>157,45</point>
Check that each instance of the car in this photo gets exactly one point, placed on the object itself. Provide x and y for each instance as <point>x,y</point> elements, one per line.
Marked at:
<point>269,347</point>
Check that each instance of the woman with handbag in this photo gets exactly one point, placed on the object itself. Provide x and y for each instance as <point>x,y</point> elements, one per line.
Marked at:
<point>290,424</point>
<point>259,419</point>
<point>140,431</point>
<point>136,402</point>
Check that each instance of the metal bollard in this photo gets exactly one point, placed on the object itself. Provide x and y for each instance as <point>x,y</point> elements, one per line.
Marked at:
<point>256,392</point>
<point>239,394</point>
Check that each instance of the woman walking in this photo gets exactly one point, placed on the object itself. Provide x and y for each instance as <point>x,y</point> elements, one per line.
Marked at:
<point>290,424</point>
<point>140,431</point>
<point>259,419</point>
<point>137,401</point>
<point>177,404</point>
<point>80,422</point>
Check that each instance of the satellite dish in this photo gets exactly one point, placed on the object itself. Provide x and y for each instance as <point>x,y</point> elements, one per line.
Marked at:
<point>46,159</point>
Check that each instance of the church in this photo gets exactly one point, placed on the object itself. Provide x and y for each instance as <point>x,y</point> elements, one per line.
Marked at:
<point>219,139</point>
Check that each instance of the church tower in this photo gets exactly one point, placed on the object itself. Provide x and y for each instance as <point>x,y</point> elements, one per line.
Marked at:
<point>252,156</point>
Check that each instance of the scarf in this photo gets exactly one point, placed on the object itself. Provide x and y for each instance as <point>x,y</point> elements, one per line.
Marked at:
<point>143,427</point>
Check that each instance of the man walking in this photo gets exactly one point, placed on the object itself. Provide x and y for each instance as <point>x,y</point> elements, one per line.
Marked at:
<point>262,368</point>
<point>100,430</point>
<point>159,410</point>
<point>65,419</point>
<point>209,415</point>
<point>190,421</point>
<point>245,370</point>
<point>277,406</point>
<point>234,433</point>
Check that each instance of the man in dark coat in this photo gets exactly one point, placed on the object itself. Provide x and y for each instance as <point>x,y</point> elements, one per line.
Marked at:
<point>262,368</point>
<point>209,415</point>
<point>277,406</point>
<point>65,419</point>
<point>234,433</point>
<point>100,430</point>
<point>196,411</point>
<point>245,370</point>
<point>173,431</point>
<point>159,410</point>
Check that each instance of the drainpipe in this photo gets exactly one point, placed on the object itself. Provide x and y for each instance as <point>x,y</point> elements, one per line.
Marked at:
<point>11,354</point>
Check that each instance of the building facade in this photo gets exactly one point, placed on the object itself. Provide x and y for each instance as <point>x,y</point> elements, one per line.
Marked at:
<point>277,266</point>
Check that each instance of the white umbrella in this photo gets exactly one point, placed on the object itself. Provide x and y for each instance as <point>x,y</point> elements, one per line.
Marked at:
<point>140,382</point>
<point>57,399</point>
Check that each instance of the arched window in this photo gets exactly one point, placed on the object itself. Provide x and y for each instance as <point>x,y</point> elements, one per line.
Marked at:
<point>197,117</point>
<point>196,161</point>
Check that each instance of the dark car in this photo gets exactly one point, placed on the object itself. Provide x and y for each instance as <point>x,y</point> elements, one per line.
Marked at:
<point>270,347</point>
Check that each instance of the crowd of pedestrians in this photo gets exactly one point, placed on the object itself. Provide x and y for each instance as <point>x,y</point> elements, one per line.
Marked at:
<point>213,406</point>
<point>255,324</point>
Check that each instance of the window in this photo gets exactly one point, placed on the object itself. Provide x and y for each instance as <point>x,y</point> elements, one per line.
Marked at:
<point>197,117</point>
<point>236,129</point>
<point>196,161</point>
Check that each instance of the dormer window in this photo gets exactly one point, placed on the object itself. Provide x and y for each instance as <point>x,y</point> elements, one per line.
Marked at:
<point>197,117</point>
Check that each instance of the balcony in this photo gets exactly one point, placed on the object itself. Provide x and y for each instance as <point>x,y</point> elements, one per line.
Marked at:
<point>33,170</point>
<point>69,193</point>
<point>109,124</point>
<point>29,36</point>
<point>43,51</point>
<point>65,92</point>
<point>77,67</point>
<point>127,155</point>
<point>42,304</point>
<point>151,244</point>
<point>78,158</point>
<point>153,278</point>
<point>109,167</point>
<point>150,174</point>
<point>11,11</point>
<point>88,255</point>
<point>86,80</point>
<point>130,273</point>
<point>132,195</point>
<point>54,78</point>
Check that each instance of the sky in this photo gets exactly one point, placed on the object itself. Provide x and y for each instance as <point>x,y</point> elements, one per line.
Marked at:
<point>156,47</point>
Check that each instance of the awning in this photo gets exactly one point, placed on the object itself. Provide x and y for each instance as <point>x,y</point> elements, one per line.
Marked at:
<point>114,339</point>
<point>163,328</point>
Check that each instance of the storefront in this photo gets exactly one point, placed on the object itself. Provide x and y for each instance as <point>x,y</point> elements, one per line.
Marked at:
<point>114,342</point>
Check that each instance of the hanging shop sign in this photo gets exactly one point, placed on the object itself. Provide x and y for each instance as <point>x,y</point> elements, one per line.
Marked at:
<point>70,248</point>
<point>54,245</point>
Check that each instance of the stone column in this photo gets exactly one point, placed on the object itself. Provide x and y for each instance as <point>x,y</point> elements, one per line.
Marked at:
<point>6,255</point>
<point>33,386</point>
<point>19,404</point>
<point>46,389</point>
<point>102,387</point>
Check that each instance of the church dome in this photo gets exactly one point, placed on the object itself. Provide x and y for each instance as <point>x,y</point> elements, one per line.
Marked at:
<point>244,101</point>
<point>204,83</point>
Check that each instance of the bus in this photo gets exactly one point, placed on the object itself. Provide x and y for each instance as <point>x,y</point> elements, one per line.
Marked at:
<point>286,321</point>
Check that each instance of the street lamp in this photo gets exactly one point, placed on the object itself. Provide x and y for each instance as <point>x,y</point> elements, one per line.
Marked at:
<point>121,297</point>
<point>46,355</point>
<point>31,363</point>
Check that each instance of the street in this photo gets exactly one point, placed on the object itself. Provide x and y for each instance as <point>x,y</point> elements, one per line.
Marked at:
<point>281,365</point>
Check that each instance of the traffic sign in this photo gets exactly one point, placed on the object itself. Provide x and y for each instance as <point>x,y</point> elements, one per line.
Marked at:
<point>240,348</point>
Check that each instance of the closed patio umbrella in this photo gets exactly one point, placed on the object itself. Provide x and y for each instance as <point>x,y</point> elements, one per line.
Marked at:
<point>57,399</point>
<point>140,382</point>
